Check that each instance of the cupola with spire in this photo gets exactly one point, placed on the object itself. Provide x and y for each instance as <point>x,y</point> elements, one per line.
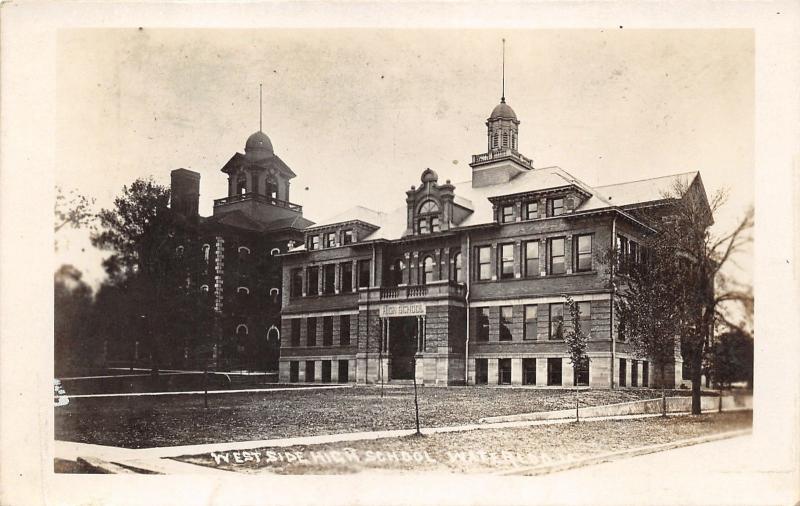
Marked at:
<point>502,160</point>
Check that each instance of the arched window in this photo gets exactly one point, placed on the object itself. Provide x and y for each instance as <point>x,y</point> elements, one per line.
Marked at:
<point>274,293</point>
<point>457,275</point>
<point>243,290</point>
<point>179,251</point>
<point>427,270</point>
<point>206,252</point>
<point>244,250</point>
<point>272,188</point>
<point>428,217</point>
<point>496,139</point>
<point>514,141</point>
<point>241,330</point>
<point>505,139</point>
<point>396,272</point>
<point>274,251</point>
<point>204,288</point>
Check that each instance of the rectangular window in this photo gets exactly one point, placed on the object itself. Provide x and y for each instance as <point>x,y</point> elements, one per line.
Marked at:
<point>528,371</point>
<point>622,372</point>
<point>633,255</point>
<point>311,332</point>
<point>313,242</point>
<point>645,374</point>
<point>344,371</point>
<point>621,331</point>
<point>556,206</point>
<point>364,267</point>
<point>581,372</point>
<point>313,281</point>
<point>504,371</point>
<point>582,245</point>
<point>297,283</point>
<point>482,324</point>
<point>531,210</point>
<point>530,328</point>
<point>347,277</point>
<point>585,317</point>
<point>506,261</point>
<point>531,249</point>
<point>330,239</point>
<point>295,332</point>
<point>622,252</point>
<point>309,371</point>
<point>344,330</point>
<point>326,371</point>
<point>556,321</point>
<point>554,372</point>
<point>505,323</point>
<point>481,371</point>
<point>423,226</point>
<point>484,264</point>
<point>556,250</point>
<point>347,237</point>
<point>327,331</point>
<point>634,373</point>
<point>434,223</point>
<point>507,214</point>
<point>329,279</point>
<point>294,371</point>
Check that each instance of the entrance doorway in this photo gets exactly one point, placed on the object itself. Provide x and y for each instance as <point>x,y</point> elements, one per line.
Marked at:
<point>402,346</point>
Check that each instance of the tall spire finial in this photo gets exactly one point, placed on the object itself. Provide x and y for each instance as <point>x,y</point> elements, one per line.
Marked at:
<point>260,107</point>
<point>503,96</point>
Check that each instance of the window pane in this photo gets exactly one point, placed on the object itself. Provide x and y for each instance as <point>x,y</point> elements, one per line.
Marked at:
<point>423,226</point>
<point>311,332</point>
<point>557,321</point>
<point>434,224</point>
<point>330,278</point>
<point>583,247</point>
<point>556,207</point>
<point>344,330</point>
<point>313,280</point>
<point>483,324</point>
<point>557,256</point>
<point>428,270</point>
<point>348,237</point>
<point>532,258</point>
<point>532,210</point>
<point>507,261</point>
<point>530,329</point>
<point>347,277</point>
<point>505,323</point>
<point>484,265</point>
<point>364,273</point>
<point>507,214</point>
<point>457,267</point>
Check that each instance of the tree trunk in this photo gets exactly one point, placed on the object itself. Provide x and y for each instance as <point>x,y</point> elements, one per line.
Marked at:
<point>663,390</point>
<point>577,404</point>
<point>697,362</point>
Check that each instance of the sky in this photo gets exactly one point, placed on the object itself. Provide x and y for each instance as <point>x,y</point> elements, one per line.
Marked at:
<point>358,114</point>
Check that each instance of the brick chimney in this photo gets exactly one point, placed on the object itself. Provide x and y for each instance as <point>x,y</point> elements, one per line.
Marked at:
<point>185,187</point>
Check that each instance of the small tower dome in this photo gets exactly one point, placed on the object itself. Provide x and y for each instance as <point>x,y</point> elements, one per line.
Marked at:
<point>503,111</point>
<point>258,146</point>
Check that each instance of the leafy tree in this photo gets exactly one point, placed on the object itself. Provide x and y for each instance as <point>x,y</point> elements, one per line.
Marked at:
<point>686,260</point>
<point>646,307</point>
<point>575,339</point>
<point>72,210</point>
<point>153,253</point>
<point>72,307</point>
<point>732,358</point>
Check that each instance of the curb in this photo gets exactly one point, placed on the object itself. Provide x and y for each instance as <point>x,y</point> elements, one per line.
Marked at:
<point>612,456</point>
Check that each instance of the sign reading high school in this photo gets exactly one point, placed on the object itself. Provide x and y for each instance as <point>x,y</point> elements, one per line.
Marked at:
<point>402,310</point>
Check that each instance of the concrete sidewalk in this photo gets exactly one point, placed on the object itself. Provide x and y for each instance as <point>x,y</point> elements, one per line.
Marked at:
<point>730,471</point>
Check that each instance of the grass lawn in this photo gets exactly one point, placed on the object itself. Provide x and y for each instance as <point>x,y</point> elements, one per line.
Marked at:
<point>143,422</point>
<point>476,451</point>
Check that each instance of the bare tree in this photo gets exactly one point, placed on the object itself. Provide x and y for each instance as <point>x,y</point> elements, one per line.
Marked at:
<point>575,339</point>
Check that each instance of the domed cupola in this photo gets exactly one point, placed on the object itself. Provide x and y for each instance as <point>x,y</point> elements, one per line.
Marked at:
<point>502,128</point>
<point>258,146</point>
<point>503,111</point>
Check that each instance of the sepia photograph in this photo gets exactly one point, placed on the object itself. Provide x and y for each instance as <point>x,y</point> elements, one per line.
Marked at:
<point>425,254</point>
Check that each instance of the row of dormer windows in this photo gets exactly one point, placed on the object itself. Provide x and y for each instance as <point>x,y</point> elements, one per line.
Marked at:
<point>330,239</point>
<point>530,210</point>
